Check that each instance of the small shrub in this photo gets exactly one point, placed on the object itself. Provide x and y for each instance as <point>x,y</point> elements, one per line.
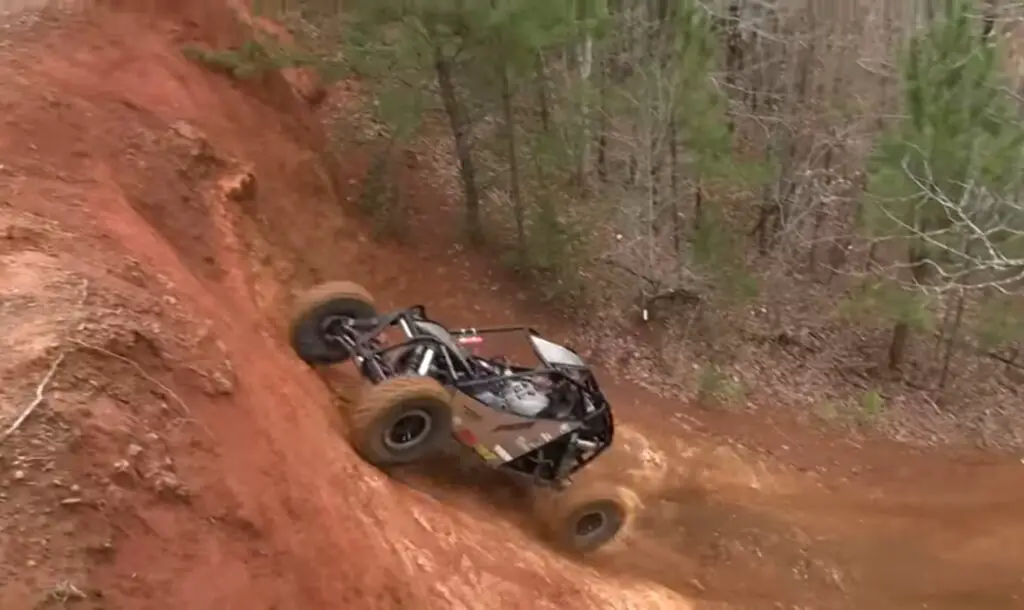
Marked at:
<point>252,60</point>
<point>828,411</point>
<point>381,198</point>
<point>872,406</point>
<point>718,390</point>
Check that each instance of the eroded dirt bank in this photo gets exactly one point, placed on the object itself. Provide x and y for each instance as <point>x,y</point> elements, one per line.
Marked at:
<point>154,220</point>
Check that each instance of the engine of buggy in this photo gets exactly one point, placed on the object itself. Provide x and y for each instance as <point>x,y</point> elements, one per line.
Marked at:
<point>529,397</point>
<point>532,396</point>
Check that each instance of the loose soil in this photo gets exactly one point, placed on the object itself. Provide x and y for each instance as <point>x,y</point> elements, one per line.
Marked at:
<point>156,219</point>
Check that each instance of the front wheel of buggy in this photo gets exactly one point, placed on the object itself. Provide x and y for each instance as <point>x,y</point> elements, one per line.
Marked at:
<point>400,420</point>
<point>316,318</point>
<point>584,519</point>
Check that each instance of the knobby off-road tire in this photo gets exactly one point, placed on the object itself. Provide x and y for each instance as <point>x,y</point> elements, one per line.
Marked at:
<point>583,519</point>
<point>317,305</point>
<point>417,406</point>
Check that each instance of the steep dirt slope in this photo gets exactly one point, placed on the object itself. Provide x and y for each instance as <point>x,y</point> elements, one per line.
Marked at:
<point>181,458</point>
<point>154,220</point>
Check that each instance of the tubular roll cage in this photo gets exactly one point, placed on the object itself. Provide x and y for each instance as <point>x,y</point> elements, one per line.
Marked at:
<point>371,359</point>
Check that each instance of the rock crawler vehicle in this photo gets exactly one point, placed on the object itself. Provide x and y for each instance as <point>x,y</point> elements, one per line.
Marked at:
<point>543,423</point>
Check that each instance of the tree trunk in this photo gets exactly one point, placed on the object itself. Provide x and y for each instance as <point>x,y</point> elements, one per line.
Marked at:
<point>585,62</point>
<point>463,149</point>
<point>901,331</point>
<point>769,205</point>
<point>951,339</point>
<point>602,137</point>
<point>898,345</point>
<point>542,94</point>
<point>657,208</point>
<point>674,193</point>
<point>698,208</point>
<point>733,55</point>
<point>988,20</point>
<point>871,261</point>
<point>633,166</point>
<point>820,214</point>
<point>512,151</point>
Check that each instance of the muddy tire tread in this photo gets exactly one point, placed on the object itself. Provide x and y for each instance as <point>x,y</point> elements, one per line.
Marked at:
<point>379,399</point>
<point>558,508</point>
<point>318,296</point>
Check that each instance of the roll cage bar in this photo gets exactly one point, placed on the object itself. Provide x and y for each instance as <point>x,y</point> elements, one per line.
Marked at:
<point>360,336</point>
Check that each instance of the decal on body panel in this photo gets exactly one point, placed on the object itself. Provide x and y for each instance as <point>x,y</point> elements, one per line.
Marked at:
<point>485,453</point>
<point>526,425</point>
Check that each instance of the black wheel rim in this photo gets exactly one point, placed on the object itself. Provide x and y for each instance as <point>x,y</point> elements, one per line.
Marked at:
<point>334,326</point>
<point>408,430</point>
<point>591,523</point>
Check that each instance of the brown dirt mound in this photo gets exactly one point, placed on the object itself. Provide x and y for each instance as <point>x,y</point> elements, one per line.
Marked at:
<point>155,219</point>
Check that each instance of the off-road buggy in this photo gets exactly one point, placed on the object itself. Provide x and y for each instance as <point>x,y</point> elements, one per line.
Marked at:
<point>543,423</point>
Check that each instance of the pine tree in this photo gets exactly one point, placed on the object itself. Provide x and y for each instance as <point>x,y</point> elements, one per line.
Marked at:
<point>943,184</point>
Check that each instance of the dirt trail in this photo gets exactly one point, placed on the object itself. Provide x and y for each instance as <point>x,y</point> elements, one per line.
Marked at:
<point>154,220</point>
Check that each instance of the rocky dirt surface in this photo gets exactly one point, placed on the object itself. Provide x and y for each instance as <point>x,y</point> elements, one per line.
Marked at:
<point>160,447</point>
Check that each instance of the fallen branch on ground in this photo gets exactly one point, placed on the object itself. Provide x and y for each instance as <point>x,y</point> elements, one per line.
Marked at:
<point>138,368</point>
<point>40,393</point>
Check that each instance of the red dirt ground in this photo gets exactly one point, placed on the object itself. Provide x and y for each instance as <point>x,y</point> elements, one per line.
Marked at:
<point>155,219</point>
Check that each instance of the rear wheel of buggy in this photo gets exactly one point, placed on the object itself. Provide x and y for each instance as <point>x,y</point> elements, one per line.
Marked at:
<point>317,311</point>
<point>400,420</point>
<point>584,519</point>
